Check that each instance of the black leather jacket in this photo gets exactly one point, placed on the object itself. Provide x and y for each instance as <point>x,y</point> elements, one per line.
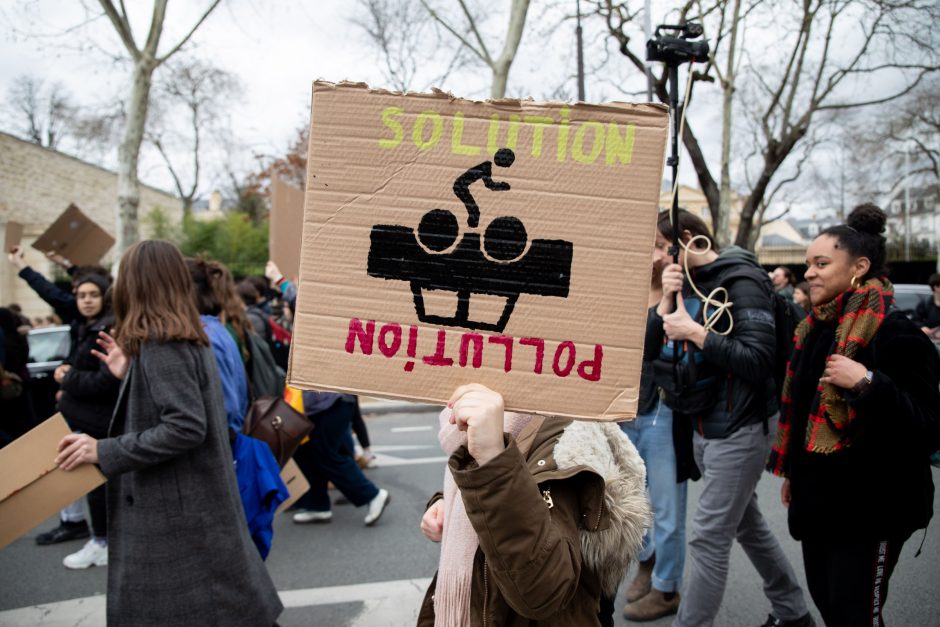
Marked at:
<point>745,357</point>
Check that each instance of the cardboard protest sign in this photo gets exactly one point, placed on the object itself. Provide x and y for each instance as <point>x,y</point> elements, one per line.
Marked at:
<point>285,228</point>
<point>448,241</point>
<point>76,237</point>
<point>13,235</point>
<point>296,484</point>
<point>32,487</point>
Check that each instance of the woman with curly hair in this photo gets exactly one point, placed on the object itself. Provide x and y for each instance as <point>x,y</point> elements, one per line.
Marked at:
<point>860,402</point>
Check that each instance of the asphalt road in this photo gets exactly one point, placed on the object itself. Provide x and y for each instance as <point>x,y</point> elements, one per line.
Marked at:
<point>345,574</point>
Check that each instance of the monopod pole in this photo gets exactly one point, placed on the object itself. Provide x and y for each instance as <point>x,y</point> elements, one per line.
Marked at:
<point>673,161</point>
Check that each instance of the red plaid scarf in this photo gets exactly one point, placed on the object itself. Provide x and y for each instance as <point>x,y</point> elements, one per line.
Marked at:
<point>860,313</point>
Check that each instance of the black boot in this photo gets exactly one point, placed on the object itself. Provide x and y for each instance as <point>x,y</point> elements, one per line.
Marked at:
<point>64,532</point>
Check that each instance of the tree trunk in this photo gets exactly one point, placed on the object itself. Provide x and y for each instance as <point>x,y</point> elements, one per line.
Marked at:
<point>128,199</point>
<point>501,65</point>
<point>500,78</point>
<point>772,161</point>
<point>705,180</point>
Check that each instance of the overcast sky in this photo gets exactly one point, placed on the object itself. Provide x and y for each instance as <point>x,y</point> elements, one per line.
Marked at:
<point>277,48</point>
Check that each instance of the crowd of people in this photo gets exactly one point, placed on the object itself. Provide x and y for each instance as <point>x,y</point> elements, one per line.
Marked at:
<point>538,519</point>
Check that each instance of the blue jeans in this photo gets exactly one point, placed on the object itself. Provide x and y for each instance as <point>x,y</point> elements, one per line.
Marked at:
<point>651,434</point>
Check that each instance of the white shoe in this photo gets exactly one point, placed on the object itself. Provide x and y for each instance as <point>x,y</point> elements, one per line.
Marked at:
<point>312,516</point>
<point>376,507</point>
<point>92,554</point>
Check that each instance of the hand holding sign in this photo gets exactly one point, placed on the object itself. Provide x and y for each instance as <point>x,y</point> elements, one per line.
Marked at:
<point>17,258</point>
<point>76,449</point>
<point>478,410</point>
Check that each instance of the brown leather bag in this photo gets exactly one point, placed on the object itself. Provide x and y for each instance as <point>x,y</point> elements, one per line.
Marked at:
<point>282,427</point>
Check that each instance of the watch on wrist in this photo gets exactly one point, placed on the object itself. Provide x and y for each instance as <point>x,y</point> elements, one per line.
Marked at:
<point>863,383</point>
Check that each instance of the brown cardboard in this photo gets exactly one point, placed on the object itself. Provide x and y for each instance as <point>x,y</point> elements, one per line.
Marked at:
<point>32,487</point>
<point>13,235</point>
<point>296,483</point>
<point>285,228</point>
<point>584,182</point>
<point>76,237</point>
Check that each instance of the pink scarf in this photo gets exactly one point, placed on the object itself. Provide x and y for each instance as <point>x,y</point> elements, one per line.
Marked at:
<point>459,542</point>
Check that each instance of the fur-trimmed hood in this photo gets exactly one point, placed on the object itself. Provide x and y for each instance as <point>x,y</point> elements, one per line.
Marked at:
<point>602,448</point>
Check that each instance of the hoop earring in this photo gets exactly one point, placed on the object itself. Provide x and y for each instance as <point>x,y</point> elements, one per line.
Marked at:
<point>856,283</point>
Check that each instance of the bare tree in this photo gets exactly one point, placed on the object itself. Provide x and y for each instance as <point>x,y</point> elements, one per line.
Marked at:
<point>41,111</point>
<point>897,144</point>
<point>146,58</point>
<point>824,53</point>
<point>407,42</point>
<point>470,38</point>
<point>203,92</point>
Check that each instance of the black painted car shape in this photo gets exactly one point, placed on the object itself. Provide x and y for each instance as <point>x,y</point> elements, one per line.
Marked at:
<point>500,261</point>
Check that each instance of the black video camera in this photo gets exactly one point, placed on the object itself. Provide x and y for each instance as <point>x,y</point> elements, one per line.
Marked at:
<point>675,49</point>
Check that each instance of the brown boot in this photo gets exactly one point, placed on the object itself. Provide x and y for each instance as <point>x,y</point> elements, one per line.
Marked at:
<point>640,586</point>
<point>654,605</point>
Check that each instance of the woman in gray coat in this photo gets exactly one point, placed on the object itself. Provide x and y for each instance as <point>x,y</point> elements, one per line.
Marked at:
<point>179,550</point>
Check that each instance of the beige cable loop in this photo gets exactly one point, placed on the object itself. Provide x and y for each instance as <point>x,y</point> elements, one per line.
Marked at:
<point>722,307</point>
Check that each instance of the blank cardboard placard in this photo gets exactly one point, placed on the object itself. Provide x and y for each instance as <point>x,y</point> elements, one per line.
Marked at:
<point>448,241</point>
<point>12,236</point>
<point>76,237</point>
<point>295,482</point>
<point>286,225</point>
<point>32,487</point>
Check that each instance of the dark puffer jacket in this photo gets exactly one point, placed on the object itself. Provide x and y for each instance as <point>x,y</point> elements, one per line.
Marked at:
<point>89,390</point>
<point>745,357</point>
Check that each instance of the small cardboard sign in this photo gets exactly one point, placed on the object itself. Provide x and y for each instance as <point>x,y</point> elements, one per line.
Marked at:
<point>448,241</point>
<point>32,487</point>
<point>13,235</point>
<point>296,483</point>
<point>286,225</point>
<point>76,237</point>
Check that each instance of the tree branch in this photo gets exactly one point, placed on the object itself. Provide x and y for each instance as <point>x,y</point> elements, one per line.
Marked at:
<point>122,26</point>
<point>866,103</point>
<point>482,55</point>
<point>183,41</point>
<point>476,33</point>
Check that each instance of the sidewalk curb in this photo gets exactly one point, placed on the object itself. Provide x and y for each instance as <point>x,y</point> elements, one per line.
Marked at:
<point>397,407</point>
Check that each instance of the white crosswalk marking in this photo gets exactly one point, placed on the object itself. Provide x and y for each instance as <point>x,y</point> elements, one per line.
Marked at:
<point>410,429</point>
<point>390,603</point>
<point>382,457</point>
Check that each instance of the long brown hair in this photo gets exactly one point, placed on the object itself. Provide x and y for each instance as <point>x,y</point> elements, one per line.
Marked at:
<point>233,310</point>
<point>153,298</point>
<point>215,295</point>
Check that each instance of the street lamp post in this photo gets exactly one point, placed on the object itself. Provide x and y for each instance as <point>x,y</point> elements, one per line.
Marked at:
<point>580,55</point>
<point>907,202</point>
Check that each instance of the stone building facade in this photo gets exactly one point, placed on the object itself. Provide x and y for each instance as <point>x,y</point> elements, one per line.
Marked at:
<point>36,185</point>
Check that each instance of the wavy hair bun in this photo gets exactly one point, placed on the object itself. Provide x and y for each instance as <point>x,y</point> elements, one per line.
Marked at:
<point>867,218</point>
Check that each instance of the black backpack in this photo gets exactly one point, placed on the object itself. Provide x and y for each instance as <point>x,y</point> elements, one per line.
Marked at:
<point>690,387</point>
<point>265,377</point>
<point>787,314</point>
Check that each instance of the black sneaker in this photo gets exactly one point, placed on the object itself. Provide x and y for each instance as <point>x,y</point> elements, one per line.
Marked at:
<point>806,620</point>
<point>65,532</point>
